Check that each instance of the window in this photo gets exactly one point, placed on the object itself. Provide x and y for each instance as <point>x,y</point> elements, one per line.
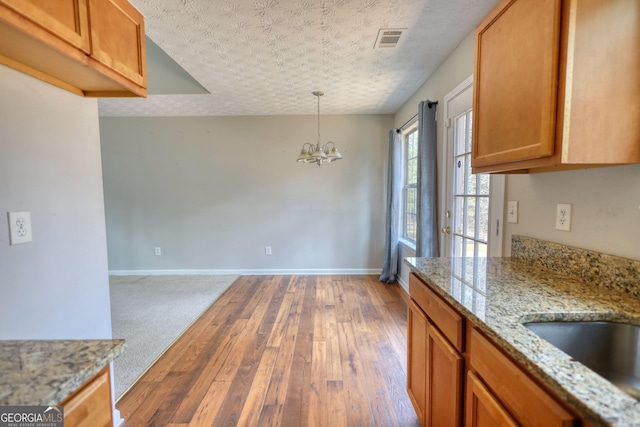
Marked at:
<point>409,191</point>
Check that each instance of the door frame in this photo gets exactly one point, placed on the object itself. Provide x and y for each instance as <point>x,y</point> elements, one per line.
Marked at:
<point>497,186</point>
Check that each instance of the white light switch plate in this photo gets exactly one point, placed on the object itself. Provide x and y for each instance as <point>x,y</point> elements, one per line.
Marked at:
<point>19,227</point>
<point>512,212</point>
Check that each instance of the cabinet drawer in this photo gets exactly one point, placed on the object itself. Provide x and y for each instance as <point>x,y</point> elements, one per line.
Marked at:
<point>449,321</point>
<point>523,398</point>
<point>90,406</point>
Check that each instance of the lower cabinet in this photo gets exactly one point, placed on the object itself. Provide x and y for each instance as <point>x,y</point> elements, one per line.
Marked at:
<point>444,381</point>
<point>417,359</point>
<point>443,347</point>
<point>435,372</point>
<point>90,405</point>
<point>525,400</point>
<point>482,408</point>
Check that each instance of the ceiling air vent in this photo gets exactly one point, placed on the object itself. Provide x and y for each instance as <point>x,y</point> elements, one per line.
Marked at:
<point>388,37</point>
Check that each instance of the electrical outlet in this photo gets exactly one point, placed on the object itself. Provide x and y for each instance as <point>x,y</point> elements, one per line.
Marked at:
<point>563,217</point>
<point>512,212</point>
<point>158,251</point>
<point>19,227</point>
<point>267,250</point>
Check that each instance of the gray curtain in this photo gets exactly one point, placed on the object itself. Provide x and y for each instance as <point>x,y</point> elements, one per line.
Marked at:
<point>427,217</point>
<point>391,264</point>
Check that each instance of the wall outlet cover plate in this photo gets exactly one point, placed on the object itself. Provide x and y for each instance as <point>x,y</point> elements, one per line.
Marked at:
<point>19,227</point>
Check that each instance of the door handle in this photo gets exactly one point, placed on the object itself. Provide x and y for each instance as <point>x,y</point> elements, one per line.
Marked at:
<point>446,229</point>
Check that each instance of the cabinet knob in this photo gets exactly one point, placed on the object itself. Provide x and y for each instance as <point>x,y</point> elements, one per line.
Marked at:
<point>446,229</point>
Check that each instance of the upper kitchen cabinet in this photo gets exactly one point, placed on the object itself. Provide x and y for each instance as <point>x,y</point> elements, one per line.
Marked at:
<point>89,47</point>
<point>557,85</point>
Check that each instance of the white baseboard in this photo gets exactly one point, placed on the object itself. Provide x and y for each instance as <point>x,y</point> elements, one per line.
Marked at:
<point>249,272</point>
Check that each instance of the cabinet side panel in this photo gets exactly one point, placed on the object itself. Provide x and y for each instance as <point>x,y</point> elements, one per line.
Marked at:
<point>604,80</point>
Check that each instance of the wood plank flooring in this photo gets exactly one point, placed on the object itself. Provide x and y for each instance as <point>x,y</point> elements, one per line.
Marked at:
<point>284,351</point>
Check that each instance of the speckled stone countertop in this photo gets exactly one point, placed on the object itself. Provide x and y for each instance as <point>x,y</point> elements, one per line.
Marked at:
<point>499,294</point>
<point>46,372</point>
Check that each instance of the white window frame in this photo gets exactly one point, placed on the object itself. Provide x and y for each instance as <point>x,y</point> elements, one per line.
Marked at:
<point>410,129</point>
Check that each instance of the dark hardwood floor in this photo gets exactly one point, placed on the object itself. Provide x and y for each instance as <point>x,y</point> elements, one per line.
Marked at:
<point>284,351</point>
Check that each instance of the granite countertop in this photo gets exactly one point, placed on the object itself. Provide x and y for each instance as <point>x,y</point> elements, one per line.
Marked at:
<point>46,372</point>
<point>499,294</point>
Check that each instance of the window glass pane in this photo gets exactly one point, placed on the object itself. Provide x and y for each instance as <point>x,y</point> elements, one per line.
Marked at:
<point>412,170</point>
<point>471,179</point>
<point>457,246</point>
<point>410,177</point>
<point>469,128</point>
<point>469,265</point>
<point>456,265</point>
<point>410,227</point>
<point>458,214</point>
<point>410,207</point>
<point>483,183</point>
<point>471,217</point>
<point>460,135</point>
<point>483,217</point>
<point>460,166</point>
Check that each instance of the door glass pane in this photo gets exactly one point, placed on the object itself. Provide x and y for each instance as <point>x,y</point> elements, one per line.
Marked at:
<point>471,217</point>
<point>471,178</point>
<point>459,175</point>
<point>483,184</point>
<point>483,219</point>
<point>458,214</point>
<point>461,129</point>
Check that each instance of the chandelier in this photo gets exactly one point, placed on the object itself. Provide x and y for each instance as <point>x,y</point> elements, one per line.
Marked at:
<point>319,153</point>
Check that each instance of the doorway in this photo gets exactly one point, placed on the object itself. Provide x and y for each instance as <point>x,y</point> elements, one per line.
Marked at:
<point>472,216</point>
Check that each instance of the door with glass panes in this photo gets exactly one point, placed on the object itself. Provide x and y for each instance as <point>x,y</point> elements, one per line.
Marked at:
<point>472,217</point>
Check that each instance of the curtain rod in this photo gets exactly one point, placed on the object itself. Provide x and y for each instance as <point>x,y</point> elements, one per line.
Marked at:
<point>429,104</point>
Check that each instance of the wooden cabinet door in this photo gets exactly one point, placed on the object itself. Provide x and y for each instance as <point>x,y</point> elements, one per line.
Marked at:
<point>67,19</point>
<point>90,406</point>
<point>444,381</point>
<point>482,408</point>
<point>117,38</point>
<point>417,359</point>
<point>603,64</point>
<point>516,82</point>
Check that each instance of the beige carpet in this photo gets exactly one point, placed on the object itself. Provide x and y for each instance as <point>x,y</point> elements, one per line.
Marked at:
<point>151,312</point>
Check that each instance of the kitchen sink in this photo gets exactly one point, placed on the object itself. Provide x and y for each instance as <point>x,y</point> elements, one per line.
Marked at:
<point>608,348</point>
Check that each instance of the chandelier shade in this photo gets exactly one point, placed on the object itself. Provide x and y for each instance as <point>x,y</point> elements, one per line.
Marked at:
<point>319,153</point>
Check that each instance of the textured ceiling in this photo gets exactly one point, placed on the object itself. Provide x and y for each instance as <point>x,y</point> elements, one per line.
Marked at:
<point>262,57</point>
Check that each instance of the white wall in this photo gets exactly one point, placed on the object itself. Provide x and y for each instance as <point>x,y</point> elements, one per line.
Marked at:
<point>606,201</point>
<point>212,192</point>
<point>57,286</point>
<point>605,211</point>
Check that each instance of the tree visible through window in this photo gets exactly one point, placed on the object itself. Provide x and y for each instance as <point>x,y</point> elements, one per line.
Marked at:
<point>409,193</point>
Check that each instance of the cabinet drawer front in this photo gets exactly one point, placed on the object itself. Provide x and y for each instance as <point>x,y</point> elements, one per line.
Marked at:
<point>449,321</point>
<point>91,405</point>
<point>524,399</point>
